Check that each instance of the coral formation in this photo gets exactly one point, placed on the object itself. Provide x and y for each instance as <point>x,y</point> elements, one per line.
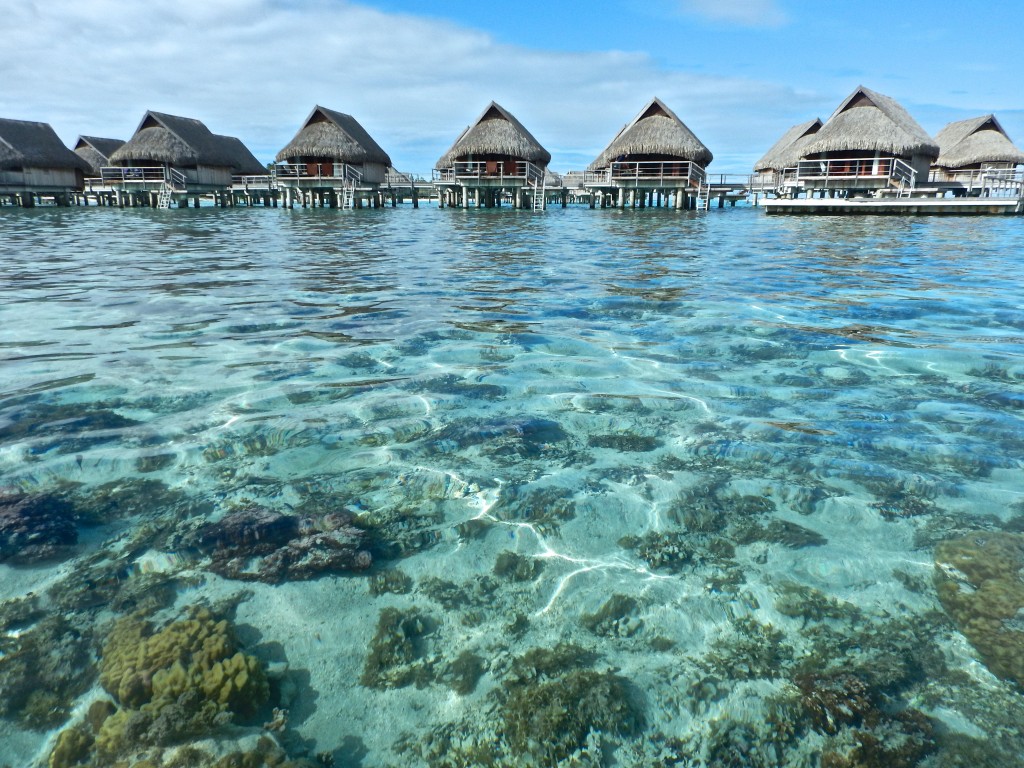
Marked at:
<point>396,649</point>
<point>176,683</point>
<point>35,528</point>
<point>256,544</point>
<point>515,567</point>
<point>979,583</point>
<point>42,670</point>
<point>391,581</point>
<point>551,720</point>
<point>616,618</point>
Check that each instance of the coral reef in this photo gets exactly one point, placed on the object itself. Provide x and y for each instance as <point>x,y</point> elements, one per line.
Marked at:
<point>396,650</point>
<point>551,720</point>
<point>616,618</point>
<point>515,567</point>
<point>752,650</point>
<point>35,528</point>
<point>390,581</point>
<point>256,544</point>
<point>177,683</point>
<point>625,442</point>
<point>42,670</point>
<point>979,583</point>
<point>463,673</point>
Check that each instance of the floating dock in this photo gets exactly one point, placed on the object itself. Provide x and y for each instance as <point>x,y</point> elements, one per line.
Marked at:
<point>912,206</point>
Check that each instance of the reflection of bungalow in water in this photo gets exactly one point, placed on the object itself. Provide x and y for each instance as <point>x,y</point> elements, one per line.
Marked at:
<point>175,158</point>
<point>493,157</point>
<point>785,153</point>
<point>869,144</point>
<point>977,157</point>
<point>34,163</point>
<point>331,160</point>
<point>653,157</point>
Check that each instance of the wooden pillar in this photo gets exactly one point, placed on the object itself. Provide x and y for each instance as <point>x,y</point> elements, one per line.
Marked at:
<point>28,200</point>
<point>565,197</point>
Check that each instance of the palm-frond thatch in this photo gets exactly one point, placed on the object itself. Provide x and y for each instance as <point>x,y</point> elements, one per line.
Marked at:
<point>870,122</point>
<point>658,132</point>
<point>788,150</point>
<point>28,144</point>
<point>177,141</point>
<point>495,133</point>
<point>327,134</point>
<point>243,162</point>
<point>96,151</point>
<point>974,142</point>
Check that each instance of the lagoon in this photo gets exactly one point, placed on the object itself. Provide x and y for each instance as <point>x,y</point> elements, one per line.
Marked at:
<point>591,487</point>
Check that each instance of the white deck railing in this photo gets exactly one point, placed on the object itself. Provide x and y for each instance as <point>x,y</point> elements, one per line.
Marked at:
<point>498,170</point>
<point>265,181</point>
<point>649,172</point>
<point>318,171</point>
<point>115,174</point>
<point>891,170</point>
<point>990,182</point>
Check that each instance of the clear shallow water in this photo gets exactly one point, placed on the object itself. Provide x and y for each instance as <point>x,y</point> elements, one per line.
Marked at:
<point>725,447</point>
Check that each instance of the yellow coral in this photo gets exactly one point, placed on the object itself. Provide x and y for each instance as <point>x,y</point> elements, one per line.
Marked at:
<point>148,671</point>
<point>978,581</point>
<point>72,746</point>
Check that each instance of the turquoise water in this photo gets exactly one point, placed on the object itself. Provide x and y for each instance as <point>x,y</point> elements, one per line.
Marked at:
<point>639,488</point>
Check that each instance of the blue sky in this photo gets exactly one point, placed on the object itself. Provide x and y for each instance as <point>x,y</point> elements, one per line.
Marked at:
<point>416,72</point>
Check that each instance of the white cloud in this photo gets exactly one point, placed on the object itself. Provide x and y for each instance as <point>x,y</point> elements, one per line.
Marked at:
<point>748,13</point>
<point>255,68</point>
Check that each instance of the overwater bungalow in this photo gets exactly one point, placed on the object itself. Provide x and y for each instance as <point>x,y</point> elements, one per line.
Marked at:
<point>96,152</point>
<point>331,161</point>
<point>175,158</point>
<point>785,153</point>
<point>654,157</point>
<point>869,146</point>
<point>977,157</point>
<point>494,157</point>
<point>35,164</point>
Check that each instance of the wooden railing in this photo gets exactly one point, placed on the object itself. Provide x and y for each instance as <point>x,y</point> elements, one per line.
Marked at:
<point>666,173</point>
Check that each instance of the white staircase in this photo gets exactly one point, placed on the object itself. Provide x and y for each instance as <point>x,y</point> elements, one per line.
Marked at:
<point>353,178</point>
<point>163,199</point>
<point>348,196</point>
<point>536,180</point>
<point>703,196</point>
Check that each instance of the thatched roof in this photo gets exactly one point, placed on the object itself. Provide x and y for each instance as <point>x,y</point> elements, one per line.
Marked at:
<point>27,144</point>
<point>977,140</point>
<point>788,150</point>
<point>96,151</point>
<point>655,131</point>
<point>334,135</point>
<point>870,122</point>
<point>244,162</point>
<point>495,132</point>
<point>180,141</point>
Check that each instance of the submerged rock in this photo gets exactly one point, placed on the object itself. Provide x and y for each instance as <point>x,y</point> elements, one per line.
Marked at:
<point>257,544</point>
<point>35,528</point>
